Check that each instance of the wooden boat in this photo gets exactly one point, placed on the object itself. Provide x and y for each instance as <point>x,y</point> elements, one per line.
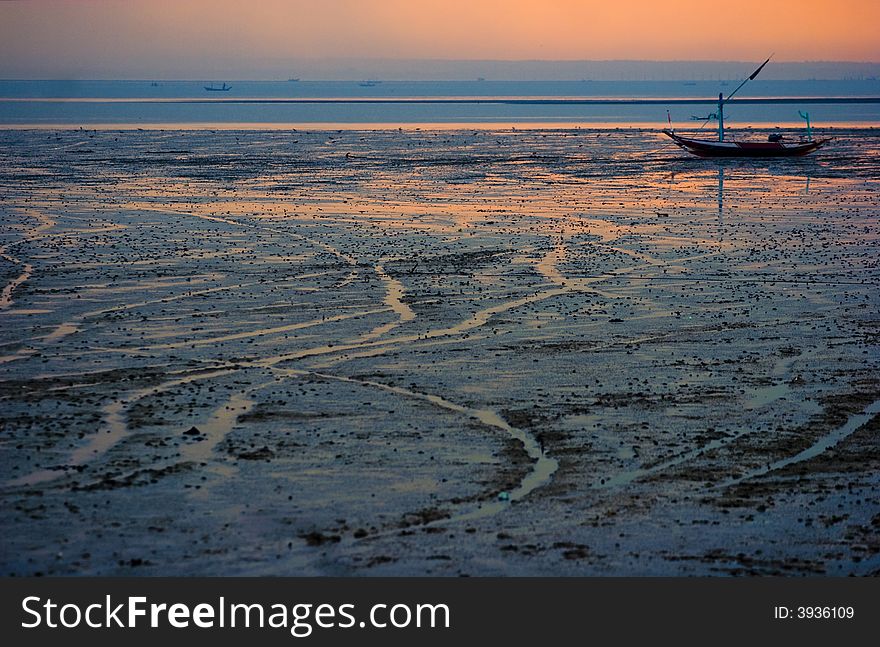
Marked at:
<point>774,147</point>
<point>223,88</point>
<point>709,148</point>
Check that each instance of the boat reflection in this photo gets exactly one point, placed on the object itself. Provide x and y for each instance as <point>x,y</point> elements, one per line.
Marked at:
<point>730,177</point>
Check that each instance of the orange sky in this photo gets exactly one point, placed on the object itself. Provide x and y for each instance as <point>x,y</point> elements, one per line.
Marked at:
<point>106,35</point>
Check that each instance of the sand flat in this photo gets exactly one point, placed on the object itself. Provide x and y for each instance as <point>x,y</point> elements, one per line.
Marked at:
<point>404,352</point>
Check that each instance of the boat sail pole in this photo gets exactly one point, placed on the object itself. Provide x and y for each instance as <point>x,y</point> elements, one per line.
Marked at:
<point>722,100</point>
<point>806,115</point>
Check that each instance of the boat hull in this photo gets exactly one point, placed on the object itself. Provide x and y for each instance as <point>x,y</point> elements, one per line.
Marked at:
<point>706,148</point>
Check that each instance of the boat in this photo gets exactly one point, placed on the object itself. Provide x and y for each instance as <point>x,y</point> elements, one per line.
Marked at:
<point>773,147</point>
<point>711,148</point>
<point>223,88</point>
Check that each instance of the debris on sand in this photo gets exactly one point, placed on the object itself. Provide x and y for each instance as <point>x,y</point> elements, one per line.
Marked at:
<point>261,454</point>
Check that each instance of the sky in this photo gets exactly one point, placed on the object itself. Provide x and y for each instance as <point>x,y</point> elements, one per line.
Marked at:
<point>248,39</point>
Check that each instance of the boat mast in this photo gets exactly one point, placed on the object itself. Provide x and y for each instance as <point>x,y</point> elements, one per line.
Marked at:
<point>722,100</point>
<point>806,115</point>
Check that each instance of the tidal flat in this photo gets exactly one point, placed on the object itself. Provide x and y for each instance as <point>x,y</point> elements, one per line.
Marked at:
<point>450,352</point>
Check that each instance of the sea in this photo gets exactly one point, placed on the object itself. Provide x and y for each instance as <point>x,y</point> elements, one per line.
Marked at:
<point>374,103</point>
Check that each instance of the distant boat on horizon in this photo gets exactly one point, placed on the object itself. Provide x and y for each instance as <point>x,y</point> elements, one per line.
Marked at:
<point>293,80</point>
<point>213,88</point>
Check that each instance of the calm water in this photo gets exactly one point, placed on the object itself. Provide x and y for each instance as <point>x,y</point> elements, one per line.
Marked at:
<point>47,103</point>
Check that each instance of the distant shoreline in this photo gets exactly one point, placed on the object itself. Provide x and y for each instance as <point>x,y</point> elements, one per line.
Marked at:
<point>445,70</point>
<point>584,126</point>
<point>586,101</point>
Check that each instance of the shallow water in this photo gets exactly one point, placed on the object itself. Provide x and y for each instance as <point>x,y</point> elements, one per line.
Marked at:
<point>310,104</point>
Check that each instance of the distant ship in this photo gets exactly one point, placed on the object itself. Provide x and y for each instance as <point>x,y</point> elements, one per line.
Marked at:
<point>223,88</point>
<point>292,80</point>
<point>368,84</point>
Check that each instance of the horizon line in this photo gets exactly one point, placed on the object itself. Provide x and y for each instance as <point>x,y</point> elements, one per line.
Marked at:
<point>206,79</point>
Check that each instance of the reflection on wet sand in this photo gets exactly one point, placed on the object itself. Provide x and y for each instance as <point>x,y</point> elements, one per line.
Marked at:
<point>721,171</point>
<point>345,352</point>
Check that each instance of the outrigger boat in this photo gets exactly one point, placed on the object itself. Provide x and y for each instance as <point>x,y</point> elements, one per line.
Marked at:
<point>709,148</point>
<point>774,147</point>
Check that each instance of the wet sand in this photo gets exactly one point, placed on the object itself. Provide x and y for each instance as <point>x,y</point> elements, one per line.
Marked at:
<point>404,352</point>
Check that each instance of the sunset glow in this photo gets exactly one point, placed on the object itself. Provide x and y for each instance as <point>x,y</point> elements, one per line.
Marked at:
<point>97,38</point>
